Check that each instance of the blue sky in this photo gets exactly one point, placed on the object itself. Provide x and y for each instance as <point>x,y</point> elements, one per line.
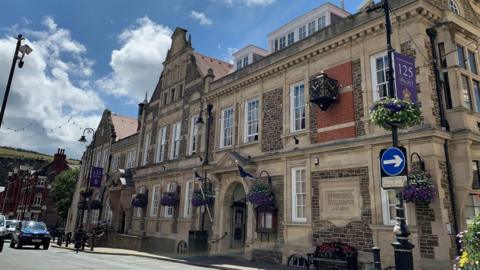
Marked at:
<point>89,55</point>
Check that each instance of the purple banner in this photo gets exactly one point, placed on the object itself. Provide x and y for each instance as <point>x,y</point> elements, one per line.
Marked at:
<point>96,177</point>
<point>405,81</point>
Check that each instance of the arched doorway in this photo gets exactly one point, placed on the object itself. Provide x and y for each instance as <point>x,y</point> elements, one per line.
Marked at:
<point>238,217</point>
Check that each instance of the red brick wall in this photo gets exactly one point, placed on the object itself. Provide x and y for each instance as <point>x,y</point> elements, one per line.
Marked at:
<point>343,111</point>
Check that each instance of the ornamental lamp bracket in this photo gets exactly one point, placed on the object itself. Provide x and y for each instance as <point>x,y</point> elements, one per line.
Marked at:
<point>323,91</point>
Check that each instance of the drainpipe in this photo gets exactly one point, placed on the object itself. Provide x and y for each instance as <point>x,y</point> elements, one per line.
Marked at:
<point>432,34</point>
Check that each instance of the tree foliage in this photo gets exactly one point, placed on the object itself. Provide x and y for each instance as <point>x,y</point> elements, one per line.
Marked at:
<point>63,188</point>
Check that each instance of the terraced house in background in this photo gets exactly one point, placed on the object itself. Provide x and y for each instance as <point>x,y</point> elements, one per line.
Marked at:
<point>322,163</point>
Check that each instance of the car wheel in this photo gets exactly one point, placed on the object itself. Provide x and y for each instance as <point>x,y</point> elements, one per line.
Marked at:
<point>45,246</point>
<point>37,246</point>
<point>12,243</point>
<point>19,244</point>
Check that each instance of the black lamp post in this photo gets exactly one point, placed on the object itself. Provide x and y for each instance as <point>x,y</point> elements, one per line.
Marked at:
<point>200,121</point>
<point>23,49</point>
<point>87,184</point>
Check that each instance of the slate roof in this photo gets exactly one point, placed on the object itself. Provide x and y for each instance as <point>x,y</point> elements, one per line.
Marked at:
<point>124,125</point>
<point>220,68</point>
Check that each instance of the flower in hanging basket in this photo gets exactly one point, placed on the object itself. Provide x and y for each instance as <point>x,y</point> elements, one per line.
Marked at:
<point>140,200</point>
<point>170,199</point>
<point>95,204</point>
<point>420,188</point>
<point>393,111</point>
<point>261,194</point>
<point>197,198</point>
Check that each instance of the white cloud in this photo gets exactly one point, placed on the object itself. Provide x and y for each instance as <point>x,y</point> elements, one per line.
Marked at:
<point>246,2</point>
<point>44,95</point>
<point>200,17</point>
<point>137,64</point>
<point>258,2</point>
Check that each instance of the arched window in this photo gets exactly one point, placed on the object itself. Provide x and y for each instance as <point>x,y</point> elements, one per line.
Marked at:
<point>182,247</point>
<point>453,7</point>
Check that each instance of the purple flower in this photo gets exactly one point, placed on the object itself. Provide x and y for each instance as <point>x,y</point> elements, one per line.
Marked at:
<point>197,198</point>
<point>170,199</point>
<point>261,194</point>
<point>140,200</point>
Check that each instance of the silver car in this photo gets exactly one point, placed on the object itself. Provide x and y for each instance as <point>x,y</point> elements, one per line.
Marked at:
<point>11,225</point>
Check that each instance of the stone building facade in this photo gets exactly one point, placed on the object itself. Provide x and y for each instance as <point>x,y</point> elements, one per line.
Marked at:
<point>262,119</point>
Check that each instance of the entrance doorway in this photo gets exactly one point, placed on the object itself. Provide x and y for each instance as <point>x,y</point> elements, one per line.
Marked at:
<point>238,217</point>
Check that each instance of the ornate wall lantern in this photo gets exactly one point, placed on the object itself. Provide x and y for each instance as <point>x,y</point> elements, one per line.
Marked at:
<point>323,91</point>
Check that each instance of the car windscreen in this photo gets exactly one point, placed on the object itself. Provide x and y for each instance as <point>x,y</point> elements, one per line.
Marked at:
<point>12,223</point>
<point>34,226</point>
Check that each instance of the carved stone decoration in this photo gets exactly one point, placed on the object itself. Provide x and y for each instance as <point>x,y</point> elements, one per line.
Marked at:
<point>323,91</point>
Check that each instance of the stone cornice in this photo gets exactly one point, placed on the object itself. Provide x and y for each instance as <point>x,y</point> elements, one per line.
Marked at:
<point>317,44</point>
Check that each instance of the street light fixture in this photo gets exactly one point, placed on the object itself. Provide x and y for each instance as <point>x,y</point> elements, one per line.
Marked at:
<point>23,49</point>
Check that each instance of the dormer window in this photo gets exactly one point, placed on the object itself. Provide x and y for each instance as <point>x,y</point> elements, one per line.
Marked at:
<point>283,43</point>
<point>453,7</point>
<point>245,61</point>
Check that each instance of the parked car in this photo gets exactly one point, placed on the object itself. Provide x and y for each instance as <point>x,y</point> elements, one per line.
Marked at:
<point>30,233</point>
<point>11,225</point>
<point>3,230</point>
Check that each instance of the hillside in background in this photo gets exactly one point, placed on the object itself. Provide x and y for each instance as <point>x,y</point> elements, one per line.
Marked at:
<point>14,157</point>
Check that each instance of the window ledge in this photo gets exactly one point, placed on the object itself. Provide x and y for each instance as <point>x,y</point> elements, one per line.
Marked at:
<point>295,133</point>
<point>250,143</point>
<point>297,224</point>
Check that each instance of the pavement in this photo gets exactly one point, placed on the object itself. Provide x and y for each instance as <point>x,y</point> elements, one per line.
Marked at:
<point>204,262</point>
<point>29,258</point>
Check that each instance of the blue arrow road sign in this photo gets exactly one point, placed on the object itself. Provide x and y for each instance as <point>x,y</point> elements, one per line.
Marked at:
<point>393,161</point>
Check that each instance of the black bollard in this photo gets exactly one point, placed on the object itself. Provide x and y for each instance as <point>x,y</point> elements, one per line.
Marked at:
<point>377,263</point>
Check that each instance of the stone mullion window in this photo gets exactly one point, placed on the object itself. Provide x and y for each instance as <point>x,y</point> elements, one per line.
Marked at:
<point>192,148</point>
<point>226,131</point>
<point>299,195</point>
<point>155,201</point>
<point>145,149</point>
<point>466,95</point>
<point>161,142</point>
<point>297,104</point>
<point>251,120</point>
<point>176,129</point>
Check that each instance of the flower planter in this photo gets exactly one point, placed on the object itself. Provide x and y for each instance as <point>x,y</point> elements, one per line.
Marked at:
<point>420,189</point>
<point>140,201</point>
<point>197,198</point>
<point>170,199</point>
<point>388,112</point>
<point>261,194</point>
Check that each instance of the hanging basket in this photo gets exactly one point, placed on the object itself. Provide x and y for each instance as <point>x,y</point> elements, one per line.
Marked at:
<point>388,112</point>
<point>420,189</point>
<point>170,199</point>
<point>95,204</point>
<point>197,198</point>
<point>261,194</point>
<point>140,201</point>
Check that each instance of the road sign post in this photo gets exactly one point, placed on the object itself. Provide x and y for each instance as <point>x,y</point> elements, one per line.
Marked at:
<point>393,169</point>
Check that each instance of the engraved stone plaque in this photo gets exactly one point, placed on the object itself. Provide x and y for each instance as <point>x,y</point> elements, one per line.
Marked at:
<point>340,200</point>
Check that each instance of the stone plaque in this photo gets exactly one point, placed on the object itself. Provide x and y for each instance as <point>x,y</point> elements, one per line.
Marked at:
<point>340,200</point>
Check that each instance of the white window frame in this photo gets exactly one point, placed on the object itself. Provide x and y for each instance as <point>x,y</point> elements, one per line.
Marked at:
<point>161,142</point>
<point>322,22</point>
<point>453,7</point>
<point>282,42</point>
<point>168,210</point>
<point>387,215</point>
<point>187,206</point>
<point>293,108</point>
<point>138,213</point>
<point>302,32</point>
<point>155,201</point>
<point>245,61</point>
<point>193,141</point>
<point>176,139</point>
<point>37,200</point>
<point>250,137</point>
<point>474,204</point>
<point>295,193</point>
<point>145,148</point>
<point>311,28</point>
<point>223,129</point>
<point>290,38</point>
<point>373,70</point>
